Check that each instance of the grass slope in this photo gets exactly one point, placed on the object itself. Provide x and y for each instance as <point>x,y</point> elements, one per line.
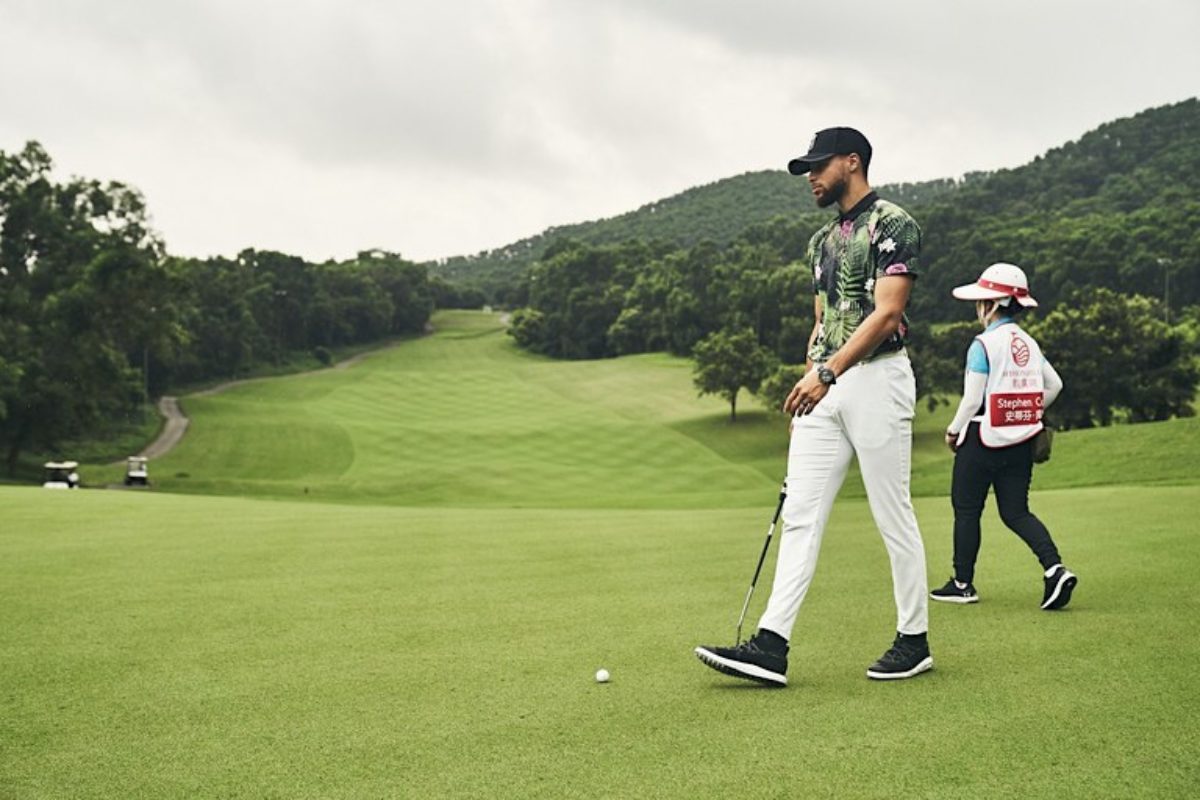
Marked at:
<point>502,526</point>
<point>462,418</point>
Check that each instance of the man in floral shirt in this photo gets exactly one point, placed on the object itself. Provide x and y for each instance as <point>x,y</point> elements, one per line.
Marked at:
<point>857,398</point>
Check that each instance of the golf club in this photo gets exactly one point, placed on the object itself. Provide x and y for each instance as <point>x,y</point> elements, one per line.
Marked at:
<point>761,558</point>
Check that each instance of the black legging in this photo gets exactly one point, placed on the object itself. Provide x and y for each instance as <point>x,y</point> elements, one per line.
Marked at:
<point>1008,469</point>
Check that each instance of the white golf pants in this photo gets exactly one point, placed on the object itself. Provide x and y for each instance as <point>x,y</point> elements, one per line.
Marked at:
<point>868,413</point>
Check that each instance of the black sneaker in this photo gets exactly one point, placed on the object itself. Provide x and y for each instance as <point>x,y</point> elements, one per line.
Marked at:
<point>908,656</point>
<point>950,593</point>
<point>1059,586</point>
<point>763,658</point>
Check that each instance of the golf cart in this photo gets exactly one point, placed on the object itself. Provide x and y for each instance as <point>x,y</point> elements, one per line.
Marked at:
<point>61,475</point>
<point>136,472</point>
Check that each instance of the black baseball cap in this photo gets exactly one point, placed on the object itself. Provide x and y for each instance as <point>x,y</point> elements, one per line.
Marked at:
<point>829,143</point>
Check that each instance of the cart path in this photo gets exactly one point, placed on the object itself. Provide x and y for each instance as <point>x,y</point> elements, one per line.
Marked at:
<point>173,430</point>
<point>177,422</point>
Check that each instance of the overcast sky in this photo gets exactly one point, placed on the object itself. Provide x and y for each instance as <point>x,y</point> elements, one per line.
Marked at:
<point>325,127</point>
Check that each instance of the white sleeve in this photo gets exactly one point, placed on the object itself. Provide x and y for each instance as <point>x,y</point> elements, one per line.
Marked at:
<point>1051,382</point>
<point>974,385</point>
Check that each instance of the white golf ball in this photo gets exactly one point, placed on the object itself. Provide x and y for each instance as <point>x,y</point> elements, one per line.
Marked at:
<point>602,676</point>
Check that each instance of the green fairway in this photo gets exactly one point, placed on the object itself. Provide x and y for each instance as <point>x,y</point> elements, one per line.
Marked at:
<point>431,553</point>
<point>463,419</point>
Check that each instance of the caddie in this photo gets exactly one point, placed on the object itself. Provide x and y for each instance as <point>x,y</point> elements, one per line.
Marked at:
<point>1007,385</point>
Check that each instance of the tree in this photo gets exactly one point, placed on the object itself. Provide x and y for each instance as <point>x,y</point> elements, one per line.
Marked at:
<point>84,296</point>
<point>775,388</point>
<point>727,361</point>
<point>448,295</point>
<point>1117,355</point>
<point>406,284</point>
<point>578,292</point>
<point>226,339</point>
<point>527,327</point>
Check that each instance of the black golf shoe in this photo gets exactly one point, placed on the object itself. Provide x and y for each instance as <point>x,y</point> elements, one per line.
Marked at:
<point>908,656</point>
<point>762,658</point>
<point>950,593</point>
<point>1059,586</point>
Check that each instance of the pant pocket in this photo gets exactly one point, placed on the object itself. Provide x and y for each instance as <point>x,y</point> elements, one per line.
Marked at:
<point>902,387</point>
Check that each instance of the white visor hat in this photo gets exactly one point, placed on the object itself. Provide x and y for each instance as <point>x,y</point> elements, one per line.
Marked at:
<point>1000,281</point>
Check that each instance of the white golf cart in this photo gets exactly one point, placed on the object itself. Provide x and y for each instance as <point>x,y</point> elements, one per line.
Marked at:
<point>61,475</point>
<point>137,471</point>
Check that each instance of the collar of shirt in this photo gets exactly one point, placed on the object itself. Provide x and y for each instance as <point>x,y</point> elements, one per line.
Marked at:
<point>859,207</point>
<point>997,323</point>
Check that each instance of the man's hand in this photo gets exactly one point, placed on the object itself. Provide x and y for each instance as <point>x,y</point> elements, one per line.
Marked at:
<point>952,442</point>
<point>805,395</point>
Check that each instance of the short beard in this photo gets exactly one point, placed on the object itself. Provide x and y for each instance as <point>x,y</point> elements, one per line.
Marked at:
<point>832,195</point>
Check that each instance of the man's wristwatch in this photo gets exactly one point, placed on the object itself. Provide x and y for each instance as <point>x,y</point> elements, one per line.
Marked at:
<point>826,376</point>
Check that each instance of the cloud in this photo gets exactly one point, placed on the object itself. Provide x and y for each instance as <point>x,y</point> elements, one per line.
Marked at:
<point>321,127</point>
<point>1013,78</point>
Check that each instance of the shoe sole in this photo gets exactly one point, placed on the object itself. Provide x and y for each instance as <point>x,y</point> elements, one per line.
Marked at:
<point>962,601</point>
<point>925,665</point>
<point>1062,592</point>
<point>739,669</point>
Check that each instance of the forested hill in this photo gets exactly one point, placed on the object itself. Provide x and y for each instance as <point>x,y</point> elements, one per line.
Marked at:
<point>1116,209</point>
<point>1101,194</point>
<point>1150,158</point>
<point>718,211</point>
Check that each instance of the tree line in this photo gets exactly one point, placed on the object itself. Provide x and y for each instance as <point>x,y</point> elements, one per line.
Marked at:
<point>745,312</point>
<point>96,316</point>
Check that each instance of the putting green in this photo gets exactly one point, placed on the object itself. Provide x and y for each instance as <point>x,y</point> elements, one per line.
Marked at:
<point>385,635</point>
